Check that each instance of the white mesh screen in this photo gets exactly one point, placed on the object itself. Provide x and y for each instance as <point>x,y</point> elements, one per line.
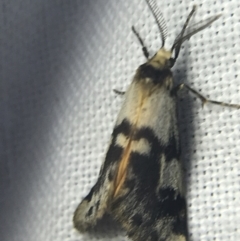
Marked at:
<point>60,61</point>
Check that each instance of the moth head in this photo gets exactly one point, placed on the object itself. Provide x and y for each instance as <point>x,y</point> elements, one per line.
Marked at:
<point>162,59</point>
<point>167,59</point>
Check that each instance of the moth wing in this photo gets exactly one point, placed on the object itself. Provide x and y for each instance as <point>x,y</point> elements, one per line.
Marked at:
<point>99,199</point>
<point>95,204</point>
<point>92,207</point>
<point>152,215</point>
<point>151,203</point>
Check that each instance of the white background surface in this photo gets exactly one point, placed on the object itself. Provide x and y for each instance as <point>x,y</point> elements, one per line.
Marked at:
<point>60,61</point>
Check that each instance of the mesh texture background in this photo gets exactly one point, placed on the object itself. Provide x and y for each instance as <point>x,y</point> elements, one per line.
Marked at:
<point>60,61</point>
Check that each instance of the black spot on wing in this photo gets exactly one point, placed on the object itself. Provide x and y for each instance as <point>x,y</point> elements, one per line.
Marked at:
<point>144,231</point>
<point>171,203</point>
<point>90,211</point>
<point>111,176</point>
<point>171,150</point>
<point>124,127</point>
<point>113,154</point>
<point>146,170</point>
<point>97,204</point>
<point>115,151</point>
<point>158,76</point>
<point>147,167</point>
<point>180,225</point>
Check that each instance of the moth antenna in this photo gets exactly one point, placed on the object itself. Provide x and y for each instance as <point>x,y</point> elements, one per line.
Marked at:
<point>179,39</point>
<point>159,19</point>
<point>188,31</point>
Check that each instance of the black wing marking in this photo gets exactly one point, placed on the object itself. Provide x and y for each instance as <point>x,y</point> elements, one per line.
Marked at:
<point>153,207</point>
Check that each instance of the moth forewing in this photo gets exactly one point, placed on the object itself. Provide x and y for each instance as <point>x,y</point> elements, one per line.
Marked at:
<point>141,181</point>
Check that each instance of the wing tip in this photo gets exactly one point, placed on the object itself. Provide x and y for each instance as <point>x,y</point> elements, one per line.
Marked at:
<point>81,220</point>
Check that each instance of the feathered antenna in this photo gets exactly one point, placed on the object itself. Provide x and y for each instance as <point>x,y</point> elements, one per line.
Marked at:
<point>188,31</point>
<point>159,19</point>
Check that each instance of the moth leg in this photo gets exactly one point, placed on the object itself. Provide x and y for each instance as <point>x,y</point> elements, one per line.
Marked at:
<point>204,99</point>
<point>118,92</point>
<point>144,48</point>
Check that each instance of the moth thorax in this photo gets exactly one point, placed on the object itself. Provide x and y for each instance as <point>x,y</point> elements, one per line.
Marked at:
<point>161,60</point>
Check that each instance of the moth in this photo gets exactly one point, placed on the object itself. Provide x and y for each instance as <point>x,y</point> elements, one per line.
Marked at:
<point>141,180</point>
